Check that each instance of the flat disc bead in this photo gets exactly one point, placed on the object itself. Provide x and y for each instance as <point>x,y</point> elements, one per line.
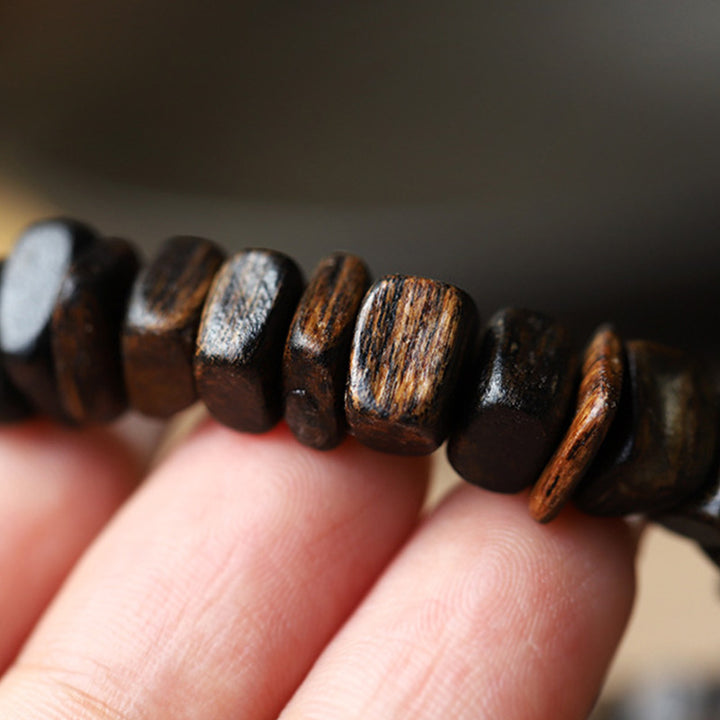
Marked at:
<point>238,359</point>
<point>86,327</point>
<point>598,397</point>
<point>32,279</point>
<point>163,314</point>
<point>518,399</point>
<point>660,447</point>
<point>318,349</point>
<point>13,406</point>
<point>409,346</point>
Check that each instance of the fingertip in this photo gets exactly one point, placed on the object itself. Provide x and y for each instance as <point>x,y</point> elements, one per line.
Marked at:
<point>557,595</point>
<point>58,487</point>
<point>261,548</point>
<point>484,612</point>
<point>41,451</point>
<point>278,454</point>
<point>572,580</point>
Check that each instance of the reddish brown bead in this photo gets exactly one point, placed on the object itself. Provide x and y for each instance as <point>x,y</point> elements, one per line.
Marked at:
<point>239,351</point>
<point>86,326</point>
<point>318,350</point>
<point>161,325</point>
<point>410,341</point>
<point>661,445</point>
<point>517,400</point>
<point>598,398</point>
<point>32,279</point>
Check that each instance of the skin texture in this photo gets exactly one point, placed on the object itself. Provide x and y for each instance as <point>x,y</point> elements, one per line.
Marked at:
<point>252,577</point>
<point>57,489</point>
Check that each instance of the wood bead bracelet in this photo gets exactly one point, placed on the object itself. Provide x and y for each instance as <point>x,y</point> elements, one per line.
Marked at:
<point>86,333</point>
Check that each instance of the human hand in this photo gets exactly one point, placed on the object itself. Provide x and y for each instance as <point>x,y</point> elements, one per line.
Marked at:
<point>251,577</point>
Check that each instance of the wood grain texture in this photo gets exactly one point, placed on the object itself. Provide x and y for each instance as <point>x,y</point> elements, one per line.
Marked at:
<point>597,402</point>
<point>161,325</point>
<point>244,325</point>
<point>85,333</point>
<point>516,402</point>
<point>662,443</point>
<point>13,406</point>
<point>317,352</point>
<point>408,348</point>
<point>33,276</point>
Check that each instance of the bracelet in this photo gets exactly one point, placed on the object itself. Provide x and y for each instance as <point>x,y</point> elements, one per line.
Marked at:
<point>621,428</point>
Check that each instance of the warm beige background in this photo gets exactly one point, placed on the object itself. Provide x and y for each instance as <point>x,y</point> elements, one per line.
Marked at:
<point>675,631</point>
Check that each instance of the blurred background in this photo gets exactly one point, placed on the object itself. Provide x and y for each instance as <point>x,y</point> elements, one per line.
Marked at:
<point>561,156</point>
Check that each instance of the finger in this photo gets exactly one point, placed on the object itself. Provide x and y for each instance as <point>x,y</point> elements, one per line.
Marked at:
<point>484,614</point>
<point>57,489</point>
<point>216,588</point>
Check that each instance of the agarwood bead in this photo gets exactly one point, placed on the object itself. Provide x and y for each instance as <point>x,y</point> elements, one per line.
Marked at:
<point>161,325</point>
<point>713,553</point>
<point>86,326</point>
<point>13,406</point>
<point>318,349</point>
<point>698,517</point>
<point>517,400</point>
<point>597,402</point>
<point>408,347</point>
<point>239,351</point>
<point>33,276</point>
<point>662,442</point>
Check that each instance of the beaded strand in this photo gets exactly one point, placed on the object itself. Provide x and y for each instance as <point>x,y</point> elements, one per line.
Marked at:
<point>401,364</point>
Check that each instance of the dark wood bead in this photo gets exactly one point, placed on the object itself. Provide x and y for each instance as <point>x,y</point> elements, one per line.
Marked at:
<point>318,349</point>
<point>517,401</point>
<point>13,406</point>
<point>662,443</point>
<point>161,325</point>
<point>698,517</point>
<point>244,325</point>
<point>408,349</point>
<point>33,276</point>
<point>713,553</point>
<point>86,326</point>
<point>597,402</point>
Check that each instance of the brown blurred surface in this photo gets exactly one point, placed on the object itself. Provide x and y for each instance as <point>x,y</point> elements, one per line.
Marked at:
<point>18,207</point>
<point>394,103</point>
<point>556,156</point>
